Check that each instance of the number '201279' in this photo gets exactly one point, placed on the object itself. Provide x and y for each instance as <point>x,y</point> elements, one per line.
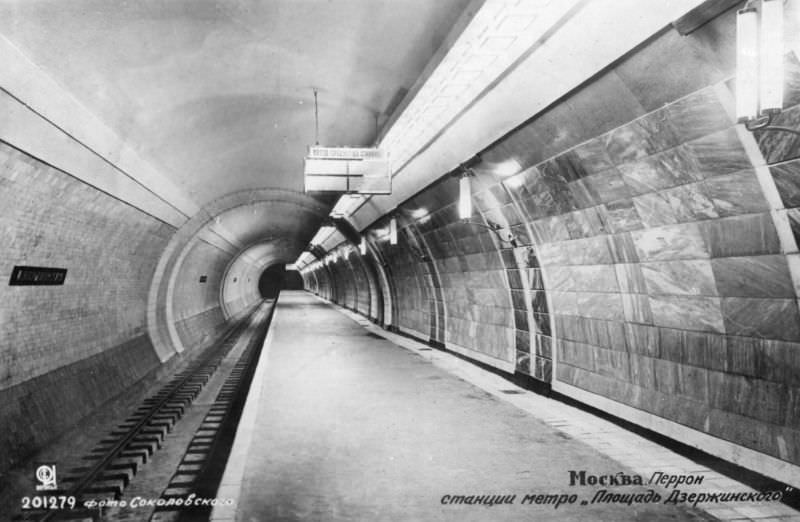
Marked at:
<point>49,502</point>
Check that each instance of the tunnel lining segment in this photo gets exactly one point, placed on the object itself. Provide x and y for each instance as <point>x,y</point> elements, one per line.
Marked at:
<point>171,279</point>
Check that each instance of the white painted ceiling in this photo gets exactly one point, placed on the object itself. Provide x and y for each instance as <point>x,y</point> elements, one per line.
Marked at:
<point>218,95</point>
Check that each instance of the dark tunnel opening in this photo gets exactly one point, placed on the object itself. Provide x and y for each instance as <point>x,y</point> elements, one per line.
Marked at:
<point>293,280</point>
<point>271,281</point>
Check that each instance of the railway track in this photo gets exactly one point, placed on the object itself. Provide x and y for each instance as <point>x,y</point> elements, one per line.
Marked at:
<point>115,460</point>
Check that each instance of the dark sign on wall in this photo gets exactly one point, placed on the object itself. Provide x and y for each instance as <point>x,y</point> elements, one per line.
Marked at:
<point>37,275</point>
<point>203,278</point>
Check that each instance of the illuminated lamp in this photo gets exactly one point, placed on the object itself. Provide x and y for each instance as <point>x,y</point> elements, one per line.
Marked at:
<point>393,231</point>
<point>759,65</point>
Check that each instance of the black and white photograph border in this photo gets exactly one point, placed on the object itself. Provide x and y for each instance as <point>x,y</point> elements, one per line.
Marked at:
<point>399,260</point>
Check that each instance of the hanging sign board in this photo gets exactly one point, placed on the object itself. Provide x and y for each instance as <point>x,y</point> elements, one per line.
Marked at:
<point>348,170</point>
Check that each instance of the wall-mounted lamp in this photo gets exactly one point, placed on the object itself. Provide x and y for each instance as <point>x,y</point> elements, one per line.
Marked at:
<point>759,65</point>
<point>362,247</point>
<point>465,194</point>
<point>393,231</point>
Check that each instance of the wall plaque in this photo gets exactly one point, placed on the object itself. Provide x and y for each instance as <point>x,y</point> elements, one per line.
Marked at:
<point>37,275</point>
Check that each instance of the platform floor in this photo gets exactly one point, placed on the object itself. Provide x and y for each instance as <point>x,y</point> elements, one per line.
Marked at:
<point>343,424</point>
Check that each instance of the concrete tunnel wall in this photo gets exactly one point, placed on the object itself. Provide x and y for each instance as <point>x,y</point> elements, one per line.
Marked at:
<point>660,273</point>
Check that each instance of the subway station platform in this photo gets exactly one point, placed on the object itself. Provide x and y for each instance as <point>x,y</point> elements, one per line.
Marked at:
<point>345,421</point>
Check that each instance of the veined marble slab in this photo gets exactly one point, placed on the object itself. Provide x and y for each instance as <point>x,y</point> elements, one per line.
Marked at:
<point>746,235</point>
<point>766,318</point>
<point>630,278</point>
<point>719,153</point>
<point>787,180</point>
<point>623,216</point>
<point>677,205</point>
<point>736,193</point>
<point>600,305</point>
<point>698,114</point>
<point>637,308</point>
<point>682,277</point>
<point>676,166</point>
<point>753,276</point>
<point>670,242</point>
<point>688,312</point>
<point>593,156</point>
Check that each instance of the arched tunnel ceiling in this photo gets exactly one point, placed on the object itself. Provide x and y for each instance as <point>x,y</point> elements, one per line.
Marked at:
<point>219,95</point>
<point>283,219</point>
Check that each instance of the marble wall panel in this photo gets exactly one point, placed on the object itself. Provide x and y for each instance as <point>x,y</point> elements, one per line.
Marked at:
<point>656,75</point>
<point>564,303</point>
<point>765,318</point>
<point>666,376</point>
<point>607,186</point>
<point>753,276</point>
<point>655,210</point>
<point>542,323</point>
<point>737,427</point>
<point>642,339</point>
<point>793,215</point>
<point>698,115</point>
<point>588,251</point>
<point>693,382</point>
<point>673,167</point>
<point>492,297</point>
<point>518,299</point>
<point>688,313</point>
<point>742,355</point>
<point>635,141</point>
<point>779,361</point>
<point>670,243</point>
<point>596,332</point>
<point>787,179</point>
<point>600,305</point>
<point>642,371</point>
<point>551,229</point>
<point>680,205</point>
<point>630,278</point>
<point>694,277</point>
<point>545,344</point>
<point>748,235</point>
<point>576,354</point>
<point>612,363</point>
<point>560,278</point>
<point>604,105</point>
<point>583,223</point>
<point>719,153</point>
<point>736,193</point>
<point>583,194</point>
<point>593,156</point>
<point>623,216</point>
<point>781,146</point>
<point>594,278</point>
<point>637,308</point>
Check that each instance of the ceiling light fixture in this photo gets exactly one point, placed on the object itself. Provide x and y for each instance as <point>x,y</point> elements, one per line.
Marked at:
<point>760,65</point>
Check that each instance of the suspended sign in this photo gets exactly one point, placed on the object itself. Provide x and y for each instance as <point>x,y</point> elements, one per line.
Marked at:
<point>348,170</point>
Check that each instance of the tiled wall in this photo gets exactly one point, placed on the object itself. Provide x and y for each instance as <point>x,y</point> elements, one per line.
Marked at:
<point>59,345</point>
<point>657,261</point>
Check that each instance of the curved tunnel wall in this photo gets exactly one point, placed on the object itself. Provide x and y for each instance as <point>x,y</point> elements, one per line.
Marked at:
<point>661,267</point>
<point>65,350</point>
